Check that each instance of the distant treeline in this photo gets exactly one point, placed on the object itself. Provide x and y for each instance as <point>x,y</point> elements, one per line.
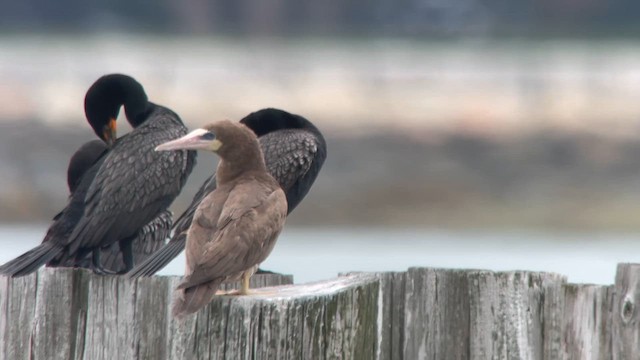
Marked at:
<point>416,18</point>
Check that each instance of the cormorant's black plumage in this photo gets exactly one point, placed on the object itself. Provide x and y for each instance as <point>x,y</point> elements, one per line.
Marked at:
<point>82,160</point>
<point>294,151</point>
<point>147,240</point>
<point>126,188</point>
<point>133,185</point>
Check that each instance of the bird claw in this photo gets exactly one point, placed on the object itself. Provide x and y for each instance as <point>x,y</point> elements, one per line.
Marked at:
<point>99,270</point>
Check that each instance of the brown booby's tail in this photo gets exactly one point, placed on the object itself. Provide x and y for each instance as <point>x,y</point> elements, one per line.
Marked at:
<point>31,260</point>
<point>188,301</point>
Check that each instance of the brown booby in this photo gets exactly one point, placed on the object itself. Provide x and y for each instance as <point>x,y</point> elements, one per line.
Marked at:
<point>236,226</point>
<point>294,151</point>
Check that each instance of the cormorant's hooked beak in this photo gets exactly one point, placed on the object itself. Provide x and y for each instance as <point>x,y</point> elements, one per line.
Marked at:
<point>199,139</point>
<point>109,132</point>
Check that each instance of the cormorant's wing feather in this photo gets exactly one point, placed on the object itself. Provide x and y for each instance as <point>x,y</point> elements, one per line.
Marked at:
<point>31,260</point>
<point>175,246</point>
<point>133,184</point>
<point>183,223</point>
<point>160,258</point>
<point>147,241</point>
<point>294,158</point>
<point>153,236</point>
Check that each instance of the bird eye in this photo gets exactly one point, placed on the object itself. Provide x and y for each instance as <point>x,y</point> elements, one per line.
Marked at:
<point>208,136</point>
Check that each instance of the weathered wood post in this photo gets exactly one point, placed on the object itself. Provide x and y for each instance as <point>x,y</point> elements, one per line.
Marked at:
<point>626,313</point>
<point>587,325</point>
<point>73,314</point>
<point>471,314</point>
<point>423,313</point>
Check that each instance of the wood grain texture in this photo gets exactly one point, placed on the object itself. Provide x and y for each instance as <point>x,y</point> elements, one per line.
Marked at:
<point>436,314</point>
<point>423,313</point>
<point>470,314</point>
<point>511,317</point>
<point>73,314</point>
<point>587,322</point>
<point>60,310</point>
<point>626,313</point>
<point>391,316</point>
<point>18,305</point>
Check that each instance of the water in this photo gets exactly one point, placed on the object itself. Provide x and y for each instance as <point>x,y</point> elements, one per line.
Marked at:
<point>317,254</point>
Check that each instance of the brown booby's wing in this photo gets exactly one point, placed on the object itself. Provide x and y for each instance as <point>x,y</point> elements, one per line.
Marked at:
<point>250,221</point>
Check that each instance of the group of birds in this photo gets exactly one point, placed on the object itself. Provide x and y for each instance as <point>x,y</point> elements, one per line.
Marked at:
<point>117,219</point>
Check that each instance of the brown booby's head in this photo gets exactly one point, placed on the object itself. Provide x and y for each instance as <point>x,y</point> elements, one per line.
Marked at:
<point>231,141</point>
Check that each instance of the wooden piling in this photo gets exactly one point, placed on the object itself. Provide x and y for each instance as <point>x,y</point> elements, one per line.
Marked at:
<point>423,313</point>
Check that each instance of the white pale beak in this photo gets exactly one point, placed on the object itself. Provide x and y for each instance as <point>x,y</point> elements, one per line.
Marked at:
<point>191,141</point>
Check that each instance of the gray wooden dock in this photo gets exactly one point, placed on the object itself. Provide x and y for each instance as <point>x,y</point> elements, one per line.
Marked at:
<point>423,313</point>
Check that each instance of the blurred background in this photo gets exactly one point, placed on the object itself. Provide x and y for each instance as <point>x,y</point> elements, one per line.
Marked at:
<point>461,133</point>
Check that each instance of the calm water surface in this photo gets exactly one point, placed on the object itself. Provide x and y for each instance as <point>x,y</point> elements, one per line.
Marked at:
<point>316,254</point>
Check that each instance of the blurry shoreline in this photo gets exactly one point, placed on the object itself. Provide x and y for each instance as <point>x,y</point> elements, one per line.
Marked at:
<point>458,134</point>
<point>554,180</point>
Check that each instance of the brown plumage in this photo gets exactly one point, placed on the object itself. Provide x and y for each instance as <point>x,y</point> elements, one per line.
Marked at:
<point>236,226</point>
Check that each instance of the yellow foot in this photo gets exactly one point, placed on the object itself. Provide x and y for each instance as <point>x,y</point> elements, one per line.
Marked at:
<point>244,287</point>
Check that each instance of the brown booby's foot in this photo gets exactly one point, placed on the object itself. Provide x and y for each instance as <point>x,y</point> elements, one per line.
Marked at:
<point>244,289</point>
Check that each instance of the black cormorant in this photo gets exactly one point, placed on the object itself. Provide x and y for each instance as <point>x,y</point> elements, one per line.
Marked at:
<point>125,189</point>
<point>294,151</point>
<point>235,226</point>
<point>147,240</point>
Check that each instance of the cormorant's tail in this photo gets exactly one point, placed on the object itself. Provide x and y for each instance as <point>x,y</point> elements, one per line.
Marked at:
<point>160,258</point>
<point>31,260</point>
<point>189,300</point>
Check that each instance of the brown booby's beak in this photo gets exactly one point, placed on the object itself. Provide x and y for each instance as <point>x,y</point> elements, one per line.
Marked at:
<point>109,132</point>
<point>199,139</point>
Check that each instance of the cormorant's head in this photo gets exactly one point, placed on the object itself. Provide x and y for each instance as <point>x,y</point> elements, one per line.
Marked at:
<point>104,99</point>
<point>228,139</point>
<point>270,119</point>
